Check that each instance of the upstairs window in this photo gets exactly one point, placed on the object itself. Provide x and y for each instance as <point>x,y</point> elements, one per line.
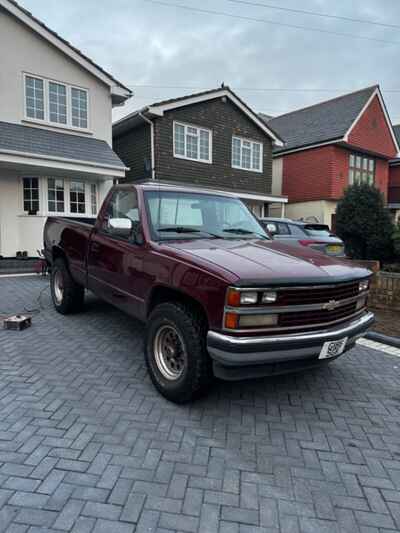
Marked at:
<point>246,154</point>
<point>56,103</point>
<point>31,195</point>
<point>361,169</point>
<point>79,108</point>
<point>192,142</point>
<point>34,98</point>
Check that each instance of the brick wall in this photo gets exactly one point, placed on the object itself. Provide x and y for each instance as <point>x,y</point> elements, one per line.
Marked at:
<point>225,120</point>
<point>307,175</point>
<point>394,184</point>
<point>385,291</point>
<point>134,149</point>
<point>322,174</point>
<point>372,132</point>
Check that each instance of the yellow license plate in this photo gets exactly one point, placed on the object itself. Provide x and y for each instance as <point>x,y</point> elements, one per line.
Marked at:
<point>334,248</point>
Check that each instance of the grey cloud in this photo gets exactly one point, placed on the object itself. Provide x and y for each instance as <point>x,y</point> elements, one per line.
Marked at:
<point>143,43</point>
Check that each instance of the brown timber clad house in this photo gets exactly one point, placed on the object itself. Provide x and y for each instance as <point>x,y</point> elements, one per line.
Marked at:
<point>210,139</point>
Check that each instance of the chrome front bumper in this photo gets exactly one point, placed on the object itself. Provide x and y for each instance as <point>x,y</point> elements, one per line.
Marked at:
<point>231,352</point>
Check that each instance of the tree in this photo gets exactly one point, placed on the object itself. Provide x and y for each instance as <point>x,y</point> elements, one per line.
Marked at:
<point>364,223</point>
<point>396,241</point>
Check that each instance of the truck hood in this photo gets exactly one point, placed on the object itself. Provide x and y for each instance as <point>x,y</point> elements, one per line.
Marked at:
<point>256,262</point>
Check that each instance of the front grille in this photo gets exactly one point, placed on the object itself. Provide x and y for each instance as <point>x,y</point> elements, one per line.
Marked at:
<point>317,295</point>
<point>310,318</point>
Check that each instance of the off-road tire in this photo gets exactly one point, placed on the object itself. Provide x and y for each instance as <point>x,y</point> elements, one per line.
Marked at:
<point>197,376</point>
<point>73,294</point>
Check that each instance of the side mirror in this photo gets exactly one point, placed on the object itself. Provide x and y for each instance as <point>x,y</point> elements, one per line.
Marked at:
<point>272,229</point>
<point>120,226</point>
<point>137,233</point>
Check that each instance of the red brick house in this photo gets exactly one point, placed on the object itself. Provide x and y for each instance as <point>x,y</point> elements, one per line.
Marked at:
<point>329,146</point>
<point>394,181</point>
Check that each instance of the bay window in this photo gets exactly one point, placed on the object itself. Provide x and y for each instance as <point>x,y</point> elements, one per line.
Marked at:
<point>62,196</point>
<point>192,142</point>
<point>246,154</point>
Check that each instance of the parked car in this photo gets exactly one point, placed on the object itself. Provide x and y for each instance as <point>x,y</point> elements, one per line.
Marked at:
<point>316,236</point>
<point>217,295</point>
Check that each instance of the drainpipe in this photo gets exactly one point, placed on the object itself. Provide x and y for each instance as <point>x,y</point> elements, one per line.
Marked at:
<point>153,170</point>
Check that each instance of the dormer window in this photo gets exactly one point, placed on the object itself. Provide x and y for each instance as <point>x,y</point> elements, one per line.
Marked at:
<point>56,104</point>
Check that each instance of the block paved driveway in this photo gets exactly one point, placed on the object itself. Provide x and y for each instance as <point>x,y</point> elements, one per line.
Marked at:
<point>87,445</point>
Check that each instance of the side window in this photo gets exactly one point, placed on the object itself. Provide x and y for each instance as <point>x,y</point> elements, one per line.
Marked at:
<point>297,231</point>
<point>122,213</point>
<point>282,228</point>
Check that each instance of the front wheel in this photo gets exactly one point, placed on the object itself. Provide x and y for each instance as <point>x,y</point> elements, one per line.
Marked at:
<point>67,295</point>
<point>176,355</point>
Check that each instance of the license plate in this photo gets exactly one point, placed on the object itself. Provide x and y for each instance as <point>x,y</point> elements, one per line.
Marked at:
<point>334,248</point>
<point>332,348</point>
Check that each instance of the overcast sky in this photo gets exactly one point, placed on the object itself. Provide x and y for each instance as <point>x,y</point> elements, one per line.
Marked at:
<point>143,43</point>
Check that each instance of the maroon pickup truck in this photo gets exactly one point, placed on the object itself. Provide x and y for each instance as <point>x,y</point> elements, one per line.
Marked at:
<point>218,297</point>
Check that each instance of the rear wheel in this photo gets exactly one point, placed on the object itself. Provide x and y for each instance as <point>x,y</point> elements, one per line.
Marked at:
<point>67,296</point>
<point>176,355</point>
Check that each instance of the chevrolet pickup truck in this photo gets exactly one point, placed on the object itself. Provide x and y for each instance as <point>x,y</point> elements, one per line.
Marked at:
<point>217,295</point>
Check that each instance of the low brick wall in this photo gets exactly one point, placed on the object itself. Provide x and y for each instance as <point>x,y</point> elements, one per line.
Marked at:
<point>385,291</point>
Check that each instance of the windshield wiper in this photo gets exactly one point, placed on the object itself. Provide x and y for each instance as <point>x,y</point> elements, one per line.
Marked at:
<point>242,231</point>
<point>185,229</point>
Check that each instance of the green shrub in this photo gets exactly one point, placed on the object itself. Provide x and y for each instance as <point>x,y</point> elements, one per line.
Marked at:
<point>364,223</point>
<point>396,241</point>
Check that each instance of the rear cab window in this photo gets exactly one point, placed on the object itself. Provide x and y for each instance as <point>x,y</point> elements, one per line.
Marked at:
<point>317,230</point>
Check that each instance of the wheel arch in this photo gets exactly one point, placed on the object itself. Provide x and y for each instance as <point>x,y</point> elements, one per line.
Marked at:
<point>163,294</point>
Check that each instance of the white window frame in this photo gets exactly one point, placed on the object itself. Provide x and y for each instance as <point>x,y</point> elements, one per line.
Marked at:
<point>70,106</point>
<point>198,128</point>
<point>44,196</point>
<point>26,117</point>
<point>252,143</point>
<point>46,121</point>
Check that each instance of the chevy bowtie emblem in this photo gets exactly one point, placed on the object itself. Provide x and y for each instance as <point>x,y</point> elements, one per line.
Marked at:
<point>331,305</point>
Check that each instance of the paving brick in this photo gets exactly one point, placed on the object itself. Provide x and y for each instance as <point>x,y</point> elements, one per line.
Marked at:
<point>108,526</point>
<point>68,515</point>
<point>86,444</point>
<point>133,508</point>
<point>179,522</point>
<point>102,510</point>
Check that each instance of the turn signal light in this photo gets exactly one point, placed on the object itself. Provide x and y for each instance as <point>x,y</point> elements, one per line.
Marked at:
<point>231,320</point>
<point>233,298</point>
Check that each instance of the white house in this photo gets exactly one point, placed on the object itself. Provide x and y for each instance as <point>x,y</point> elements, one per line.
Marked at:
<point>55,130</point>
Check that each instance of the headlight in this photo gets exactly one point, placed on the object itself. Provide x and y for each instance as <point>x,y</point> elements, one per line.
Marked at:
<point>248,298</point>
<point>363,285</point>
<point>235,298</point>
<point>269,297</point>
<point>253,321</point>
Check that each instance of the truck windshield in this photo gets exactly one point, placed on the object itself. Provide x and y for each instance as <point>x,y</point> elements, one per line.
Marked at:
<point>181,215</point>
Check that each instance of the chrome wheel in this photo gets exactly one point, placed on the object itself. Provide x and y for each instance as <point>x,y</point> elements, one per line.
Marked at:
<point>58,286</point>
<point>169,352</point>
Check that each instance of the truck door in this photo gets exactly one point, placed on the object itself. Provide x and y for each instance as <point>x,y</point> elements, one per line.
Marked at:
<point>115,262</point>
